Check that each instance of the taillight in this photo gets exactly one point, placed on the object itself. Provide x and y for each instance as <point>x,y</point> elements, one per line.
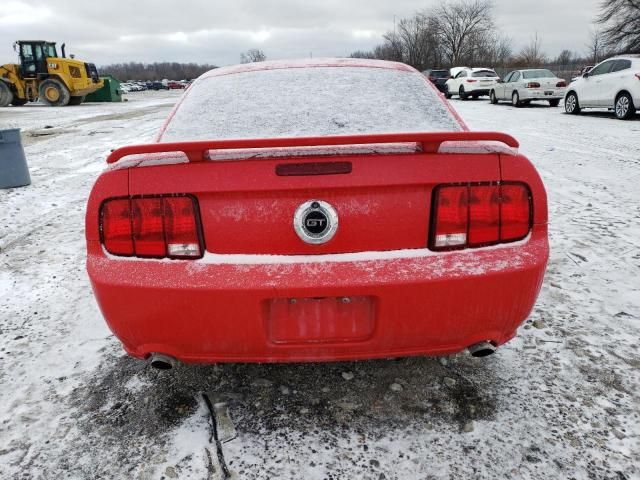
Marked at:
<point>469,216</point>
<point>638,76</point>
<point>561,84</point>
<point>452,218</point>
<point>115,226</point>
<point>148,227</point>
<point>515,212</point>
<point>532,85</point>
<point>471,80</point>
<point>154,227</point>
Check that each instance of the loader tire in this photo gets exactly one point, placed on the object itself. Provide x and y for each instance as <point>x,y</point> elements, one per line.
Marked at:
<point>76,100</point>
<point>54,93</point>
<point>6,95</point>
<point>18,102</point>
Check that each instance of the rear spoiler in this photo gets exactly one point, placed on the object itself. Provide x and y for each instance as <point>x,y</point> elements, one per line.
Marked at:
<point>195,151</point>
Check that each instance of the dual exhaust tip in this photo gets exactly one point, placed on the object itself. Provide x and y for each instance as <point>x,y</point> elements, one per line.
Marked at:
<point>160,361</point>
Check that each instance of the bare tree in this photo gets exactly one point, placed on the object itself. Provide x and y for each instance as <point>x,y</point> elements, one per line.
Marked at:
<point>459,24</point>
<point>252,55</point>
<point>390,49</point>
<point>595,46</point>
<point>564,58</point>
<point>532,55</point>
<point>621,24</point>
<point>448,35</point>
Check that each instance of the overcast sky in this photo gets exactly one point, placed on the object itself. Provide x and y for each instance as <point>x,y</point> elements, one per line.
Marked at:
<point>217,31</point>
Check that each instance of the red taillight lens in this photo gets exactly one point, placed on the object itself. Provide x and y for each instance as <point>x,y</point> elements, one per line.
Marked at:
<point>532,85</point>
<point>181,227</point>
<point>115,225</point>
<point>148,227</point>
<point>480,215</point>
<point>471,80</point>
<point>157,227</point>
<point>561,84</point>
<point>452,217</point>
<point>484,215</point>
<point>515,212</point>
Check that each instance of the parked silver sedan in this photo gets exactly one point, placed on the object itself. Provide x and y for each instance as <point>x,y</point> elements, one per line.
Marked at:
<point>520,87</point>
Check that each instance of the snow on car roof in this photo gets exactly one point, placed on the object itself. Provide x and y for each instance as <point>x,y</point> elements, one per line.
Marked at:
<point>317,97</point>
<point>307,63</point>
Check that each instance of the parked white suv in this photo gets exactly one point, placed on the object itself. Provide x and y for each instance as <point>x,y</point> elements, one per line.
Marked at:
<point>613,84</point>
<point>470,82</point>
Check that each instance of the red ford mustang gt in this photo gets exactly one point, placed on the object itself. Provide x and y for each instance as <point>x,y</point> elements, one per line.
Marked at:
<point>313,211</point>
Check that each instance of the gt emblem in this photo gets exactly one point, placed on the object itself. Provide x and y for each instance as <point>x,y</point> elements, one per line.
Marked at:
<point>315,222</point>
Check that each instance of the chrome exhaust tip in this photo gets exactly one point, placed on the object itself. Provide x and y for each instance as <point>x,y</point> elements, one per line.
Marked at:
<point>159,361</point>
<point>482,349</point>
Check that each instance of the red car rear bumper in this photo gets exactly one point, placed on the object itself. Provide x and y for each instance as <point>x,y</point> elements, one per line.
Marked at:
<point>254,309</point>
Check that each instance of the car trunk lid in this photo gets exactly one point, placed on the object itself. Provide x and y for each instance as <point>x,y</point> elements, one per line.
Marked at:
<point>382,199</point>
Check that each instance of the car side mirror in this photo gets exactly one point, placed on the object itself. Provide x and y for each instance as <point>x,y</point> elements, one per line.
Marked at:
<point>585,75</point>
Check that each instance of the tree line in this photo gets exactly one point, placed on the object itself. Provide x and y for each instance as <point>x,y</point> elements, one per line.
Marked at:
<point>170,70</point>
<point>155,71</point>
<point>464,32</point>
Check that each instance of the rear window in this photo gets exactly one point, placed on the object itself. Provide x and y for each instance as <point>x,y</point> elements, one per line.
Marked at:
<point>538,74</point>
<point>484,73</point>
<point>439,73</point>
<point>311,101</point>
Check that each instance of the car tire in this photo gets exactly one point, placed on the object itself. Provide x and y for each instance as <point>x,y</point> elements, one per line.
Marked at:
<point>515,100</point>
<point>624,107</point>
<point>492,98</point>
<point>447,95</point>
<point>6,95</point>
<point>571,104</point>
<point>54,93</point>
<point>461,92</point>
<point>555,102</point>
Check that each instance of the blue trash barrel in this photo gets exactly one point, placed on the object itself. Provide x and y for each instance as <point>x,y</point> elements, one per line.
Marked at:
<point>14,171</point>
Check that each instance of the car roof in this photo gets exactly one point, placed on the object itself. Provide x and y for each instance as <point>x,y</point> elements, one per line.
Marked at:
<point>309,63</point>
<point>479,69</point>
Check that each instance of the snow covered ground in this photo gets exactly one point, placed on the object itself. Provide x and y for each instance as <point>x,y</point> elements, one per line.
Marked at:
<point>562,400</point>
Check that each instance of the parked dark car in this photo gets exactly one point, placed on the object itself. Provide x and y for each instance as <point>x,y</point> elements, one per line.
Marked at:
<point>438,78</point>
<point>159,86</point>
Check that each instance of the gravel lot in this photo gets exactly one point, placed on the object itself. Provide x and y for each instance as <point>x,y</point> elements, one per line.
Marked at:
<point>560,401</point>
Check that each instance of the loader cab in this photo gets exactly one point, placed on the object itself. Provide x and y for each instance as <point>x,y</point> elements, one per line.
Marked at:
<point>33,57</point>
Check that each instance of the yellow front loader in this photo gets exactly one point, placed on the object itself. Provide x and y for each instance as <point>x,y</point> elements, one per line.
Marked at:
<point>42,75</point>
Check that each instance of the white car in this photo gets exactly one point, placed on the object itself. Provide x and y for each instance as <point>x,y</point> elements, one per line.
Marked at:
<point>470,82</point>
<point>612,84</point>
<point>520,87</point>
